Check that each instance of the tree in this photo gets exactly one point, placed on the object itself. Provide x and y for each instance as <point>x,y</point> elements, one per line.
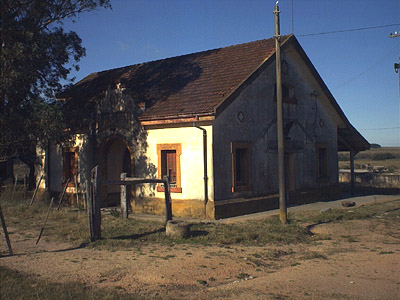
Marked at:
<point>35,54</point>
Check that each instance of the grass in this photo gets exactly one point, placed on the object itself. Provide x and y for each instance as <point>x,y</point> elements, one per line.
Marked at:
<point>389,209</point>
<point>16,286</point>
<point>72,226</point>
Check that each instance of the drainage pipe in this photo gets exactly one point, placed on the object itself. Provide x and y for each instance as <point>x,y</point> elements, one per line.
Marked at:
<point>204,167</point>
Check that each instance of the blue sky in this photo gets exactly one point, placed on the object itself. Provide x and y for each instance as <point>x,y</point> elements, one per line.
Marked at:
<point>356,66</point>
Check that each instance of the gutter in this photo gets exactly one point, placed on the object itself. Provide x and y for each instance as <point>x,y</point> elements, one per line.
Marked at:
<point>204,167</point>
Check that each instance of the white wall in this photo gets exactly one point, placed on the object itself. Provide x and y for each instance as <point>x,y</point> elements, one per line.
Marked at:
<point>191,160</point>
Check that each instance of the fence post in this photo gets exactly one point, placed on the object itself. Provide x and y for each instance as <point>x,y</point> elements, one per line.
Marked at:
<point>25,186</point>
<point>3,224</point>
<point>45,221</point>
<point>15,186</point>
<point>76,190</point>
<point>36,189</point>
<point>62,195</point>
<point>124,198</point>
<point>168,208</point>
<point>95,216</point>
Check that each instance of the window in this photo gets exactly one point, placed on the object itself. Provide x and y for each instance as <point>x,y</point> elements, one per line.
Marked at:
<point>169,165</point>
<point>241,166</point>
<point>70,165</point>
<point>322,161</point>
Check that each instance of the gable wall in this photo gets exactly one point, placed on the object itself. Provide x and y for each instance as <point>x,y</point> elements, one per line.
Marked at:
<point>257,104</point>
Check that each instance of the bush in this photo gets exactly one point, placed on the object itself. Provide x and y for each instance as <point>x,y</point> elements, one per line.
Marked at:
<point>383,156</point>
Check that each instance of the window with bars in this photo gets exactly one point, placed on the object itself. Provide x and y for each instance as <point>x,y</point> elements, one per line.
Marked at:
<point>322,161</point>
<point>241,166</point>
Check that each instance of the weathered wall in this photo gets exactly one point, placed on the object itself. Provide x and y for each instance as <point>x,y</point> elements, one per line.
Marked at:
<point>365,178</point>
<point>52,161</point>
<point>257,106</point>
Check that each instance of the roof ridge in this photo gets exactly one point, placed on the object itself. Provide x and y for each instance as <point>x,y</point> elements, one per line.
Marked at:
<point>182,55</point>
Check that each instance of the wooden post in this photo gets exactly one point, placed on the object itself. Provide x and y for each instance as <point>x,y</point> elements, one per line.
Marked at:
<point>124,198</point>
<point>62,194</point>
<point>352,177</point>
<point>25,186</point>
<point>168,208</point>
<point>15,186</point>
<point>76,190</point>
<point>3,224</point>
<point>45,221</point>
<point>90,210</point>
<point>84,196</point>
<point>95,217</point>
<point>36,189</point>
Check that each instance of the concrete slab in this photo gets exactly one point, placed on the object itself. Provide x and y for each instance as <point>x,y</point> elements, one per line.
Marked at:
<point>359,200</point>
<point>316,206</point>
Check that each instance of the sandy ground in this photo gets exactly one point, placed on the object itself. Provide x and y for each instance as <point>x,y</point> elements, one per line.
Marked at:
<point>358,260</point>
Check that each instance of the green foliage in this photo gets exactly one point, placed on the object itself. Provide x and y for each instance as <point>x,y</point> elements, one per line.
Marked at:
<point>35,54</point>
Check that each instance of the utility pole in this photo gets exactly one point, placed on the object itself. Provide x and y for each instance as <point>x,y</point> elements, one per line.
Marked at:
<point>279,117</point>
<point>397,66</point>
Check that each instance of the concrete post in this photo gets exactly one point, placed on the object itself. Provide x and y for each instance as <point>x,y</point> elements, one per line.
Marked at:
<point>279,112</point>
<point>124,199</point>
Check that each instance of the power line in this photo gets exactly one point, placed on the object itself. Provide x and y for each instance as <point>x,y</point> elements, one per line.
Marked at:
<point>384,128</point>
<point>365,71</point>
<point>349,30</point>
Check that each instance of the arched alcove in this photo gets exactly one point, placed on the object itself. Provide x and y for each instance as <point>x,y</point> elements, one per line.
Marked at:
<point>114,158</point>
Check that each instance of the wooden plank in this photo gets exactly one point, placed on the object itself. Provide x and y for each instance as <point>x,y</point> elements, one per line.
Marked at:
<point>36,189</point>
<point>3,224</point>
<point>62,194</point>
<point>45,221</point>
<point>133,181</point>
<point>15,186</point>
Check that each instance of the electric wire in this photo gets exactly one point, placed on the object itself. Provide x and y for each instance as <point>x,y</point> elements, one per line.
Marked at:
<point>348,30</point>
<point>383,128</point>
<point>365,71</point>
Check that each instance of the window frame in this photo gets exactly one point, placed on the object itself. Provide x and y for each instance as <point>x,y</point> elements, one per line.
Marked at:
<point>178,151</point>
<point>236,187</point>
<point>290,97</point>
<point>322,176</point>
<point>74,150</point>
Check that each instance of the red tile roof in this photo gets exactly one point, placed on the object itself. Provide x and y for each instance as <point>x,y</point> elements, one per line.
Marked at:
<point>188,85</point>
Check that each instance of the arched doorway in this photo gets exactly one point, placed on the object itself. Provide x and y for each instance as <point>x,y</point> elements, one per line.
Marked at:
<point>114,158</point>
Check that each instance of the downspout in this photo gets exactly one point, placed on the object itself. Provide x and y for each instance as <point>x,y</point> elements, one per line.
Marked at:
<point>204,167</point>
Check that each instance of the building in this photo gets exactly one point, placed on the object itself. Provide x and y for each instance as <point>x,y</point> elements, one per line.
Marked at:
<point>215,111</point>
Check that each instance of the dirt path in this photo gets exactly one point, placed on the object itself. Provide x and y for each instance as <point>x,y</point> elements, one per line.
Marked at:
<point>357,260</point>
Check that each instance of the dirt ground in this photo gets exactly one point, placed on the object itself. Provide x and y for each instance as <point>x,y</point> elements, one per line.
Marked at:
<point>359,259</point>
